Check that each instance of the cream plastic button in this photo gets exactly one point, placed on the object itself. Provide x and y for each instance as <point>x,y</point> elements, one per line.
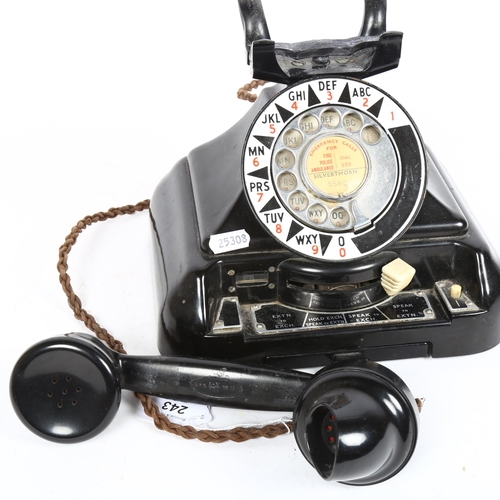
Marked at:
<point>455,291</point>
<point>396,275</point>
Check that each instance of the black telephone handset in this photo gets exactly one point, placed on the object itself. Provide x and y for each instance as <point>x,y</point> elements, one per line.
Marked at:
<point>317,231</point>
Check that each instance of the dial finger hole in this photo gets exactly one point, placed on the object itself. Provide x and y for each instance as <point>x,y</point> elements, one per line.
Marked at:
<point>298,201</point>
<point>330,118</point>
<point>317,213</point>
<point>340,217</point>
<point>287,182</point>
<point>284,159</point>
<point>293,138</point>
<point>309,124</point>
<point>371,135</point>
<point>352,122</point>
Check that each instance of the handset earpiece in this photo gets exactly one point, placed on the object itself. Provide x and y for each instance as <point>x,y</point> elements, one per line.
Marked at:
<point>355,422</point>
<point>66,389</point>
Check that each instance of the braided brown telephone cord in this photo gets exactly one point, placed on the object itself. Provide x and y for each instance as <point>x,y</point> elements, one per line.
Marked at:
<point>245,92</point>
<point>238,434</point>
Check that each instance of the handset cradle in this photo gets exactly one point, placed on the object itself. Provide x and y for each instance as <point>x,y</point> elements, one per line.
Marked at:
<point>373,51</point>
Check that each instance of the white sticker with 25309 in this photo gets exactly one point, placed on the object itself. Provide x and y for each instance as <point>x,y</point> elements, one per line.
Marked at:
<point>228,242</point>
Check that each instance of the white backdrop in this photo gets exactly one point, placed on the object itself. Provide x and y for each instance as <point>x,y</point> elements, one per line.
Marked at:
<point>98,99</point>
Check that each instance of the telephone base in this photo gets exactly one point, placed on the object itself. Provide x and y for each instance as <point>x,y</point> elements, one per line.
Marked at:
<point>265,304</point>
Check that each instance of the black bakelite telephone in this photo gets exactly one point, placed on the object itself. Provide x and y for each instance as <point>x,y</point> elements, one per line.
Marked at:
<point>317,231</point>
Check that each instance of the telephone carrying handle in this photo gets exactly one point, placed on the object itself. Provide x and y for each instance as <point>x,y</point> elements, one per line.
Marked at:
<point>373,51</point>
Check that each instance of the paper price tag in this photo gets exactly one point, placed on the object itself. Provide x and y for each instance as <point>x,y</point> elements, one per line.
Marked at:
<point>182,413</point>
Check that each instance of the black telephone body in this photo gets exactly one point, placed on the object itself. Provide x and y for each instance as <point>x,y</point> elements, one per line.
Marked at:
<point>272,240</point>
